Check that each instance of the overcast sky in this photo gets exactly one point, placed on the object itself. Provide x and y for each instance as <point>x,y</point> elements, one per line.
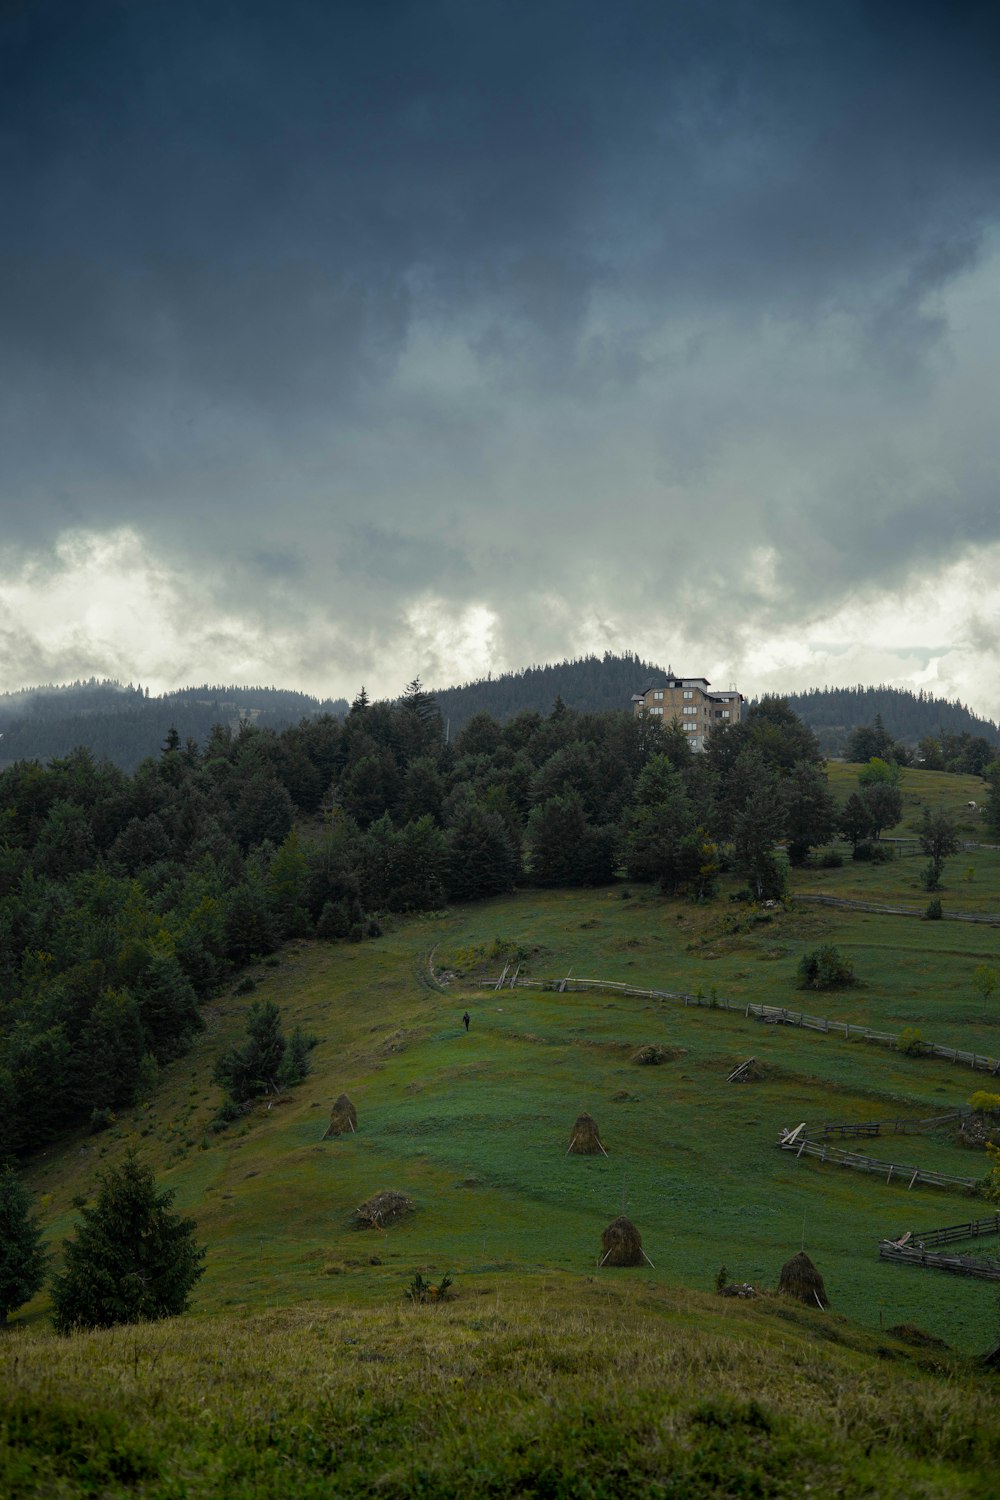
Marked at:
<point>345,342</point>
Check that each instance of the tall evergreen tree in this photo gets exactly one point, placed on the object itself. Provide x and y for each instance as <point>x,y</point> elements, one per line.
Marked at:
<point>22,1256</point>
<point>482,857</point>
<point>246,1071</point>
<point>809,808</point>
<point>132,1261</point>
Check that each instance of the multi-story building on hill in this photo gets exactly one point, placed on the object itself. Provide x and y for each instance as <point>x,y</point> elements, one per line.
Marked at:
<point>689,701</point>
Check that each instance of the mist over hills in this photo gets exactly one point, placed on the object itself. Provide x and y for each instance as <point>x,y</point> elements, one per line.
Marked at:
<point>125,724</point>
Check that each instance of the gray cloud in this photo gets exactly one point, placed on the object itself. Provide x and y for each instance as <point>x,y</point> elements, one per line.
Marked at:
<point>343,306</point>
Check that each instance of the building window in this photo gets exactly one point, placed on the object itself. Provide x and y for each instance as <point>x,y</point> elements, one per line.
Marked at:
<point>657,697</point>
<point>690,710</point>
<point>688,693</point>
<point>690,728</point>
<point>725,713</point>
<point>656,710</point>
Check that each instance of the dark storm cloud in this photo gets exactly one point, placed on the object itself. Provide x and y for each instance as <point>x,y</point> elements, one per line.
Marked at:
<point>384,297</point>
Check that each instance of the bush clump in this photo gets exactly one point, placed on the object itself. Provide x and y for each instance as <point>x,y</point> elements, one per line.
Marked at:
<point>825,968</point>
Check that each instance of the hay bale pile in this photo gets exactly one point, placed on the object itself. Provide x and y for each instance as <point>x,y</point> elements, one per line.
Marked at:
<point>655,1054</point>
<point>917,1338</point>
<point>382,1208</point>
<point>343,1118</point>
<point>585,1139</point>
<point>621,1244</point>
<point>800,1279</point>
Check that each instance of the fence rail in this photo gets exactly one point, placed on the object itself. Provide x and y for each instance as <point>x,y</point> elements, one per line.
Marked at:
<point>771,1014</point>
<point>897,1126</point>
<point>847,903</point>
<point>970,1231</point>
<point>887,1169</point>
<point>958,1265</point>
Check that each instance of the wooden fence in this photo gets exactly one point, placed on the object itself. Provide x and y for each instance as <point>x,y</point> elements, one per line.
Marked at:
<point>775,1015</point>
<point>918,1252</point>
<point>897,1126</point>
<point>951,1232</point>
<point>913,1176</point>
<point>845,903</point>
<point>958,1265</point>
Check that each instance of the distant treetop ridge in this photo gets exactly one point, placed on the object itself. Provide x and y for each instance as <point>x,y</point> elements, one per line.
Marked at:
<point>126,724</point>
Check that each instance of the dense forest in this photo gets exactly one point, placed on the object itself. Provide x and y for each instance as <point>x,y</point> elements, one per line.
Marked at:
<point>125,900</point>
<point>591,685</point>
<point>127,724</point>
<point>908,717</point>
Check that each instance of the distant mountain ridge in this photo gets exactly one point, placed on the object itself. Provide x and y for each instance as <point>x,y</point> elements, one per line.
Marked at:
<point>594,683</point>
<point>591,684</point>
<point>126,724</point>
<point>834,712</point>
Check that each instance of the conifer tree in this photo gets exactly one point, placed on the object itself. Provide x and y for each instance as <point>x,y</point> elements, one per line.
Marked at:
<point>132,1261</point>
<point>247,1071</point>
<point>22,1257</point>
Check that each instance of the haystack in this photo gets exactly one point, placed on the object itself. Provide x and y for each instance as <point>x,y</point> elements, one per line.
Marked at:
<point>343,1118</point>
<point>585,1139</point>
<point>621,1244</point>
<point>382,1208</point>
<point>656,1053</point>
<point>800,1279</point>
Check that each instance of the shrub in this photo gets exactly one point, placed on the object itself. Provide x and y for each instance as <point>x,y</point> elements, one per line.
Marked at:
<point>831,859</point>
<point>934,911</point>
<point>874,853</point>
<point>825,969</point>
<point>911,1042</point>
<point>984,1102</point>
<point>246,986</point>
<point>422,1291</point>
<point>930,877</point>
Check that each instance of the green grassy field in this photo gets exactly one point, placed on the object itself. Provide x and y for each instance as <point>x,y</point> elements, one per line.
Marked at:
<point>474,1126</point>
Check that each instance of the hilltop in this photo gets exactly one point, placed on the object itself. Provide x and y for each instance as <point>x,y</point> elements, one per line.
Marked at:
<point>127,724</point>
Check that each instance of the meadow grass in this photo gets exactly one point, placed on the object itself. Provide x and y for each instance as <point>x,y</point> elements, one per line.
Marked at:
<point>557,1387</point>
<point>302,1363</point>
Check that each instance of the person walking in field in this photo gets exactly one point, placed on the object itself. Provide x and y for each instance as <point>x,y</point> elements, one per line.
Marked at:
<point>466,1018</point>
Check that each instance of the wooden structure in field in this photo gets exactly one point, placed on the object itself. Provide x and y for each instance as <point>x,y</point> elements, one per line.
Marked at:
<point>920,1250</point>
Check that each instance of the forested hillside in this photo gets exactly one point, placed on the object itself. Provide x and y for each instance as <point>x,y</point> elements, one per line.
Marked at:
<point>909,717</point>
<point>127,724</point>
<point>591,685</point>
<point>595,683</point>
<point>125,900</point>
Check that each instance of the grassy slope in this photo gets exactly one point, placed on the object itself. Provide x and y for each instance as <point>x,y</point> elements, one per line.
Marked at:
<point>595,1388</point>
<point>475,1127</point>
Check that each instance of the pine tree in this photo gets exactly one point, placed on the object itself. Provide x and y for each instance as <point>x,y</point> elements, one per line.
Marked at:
<point>247,1071</point>
<point>22,1258</point>
<point>131,1261</point>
